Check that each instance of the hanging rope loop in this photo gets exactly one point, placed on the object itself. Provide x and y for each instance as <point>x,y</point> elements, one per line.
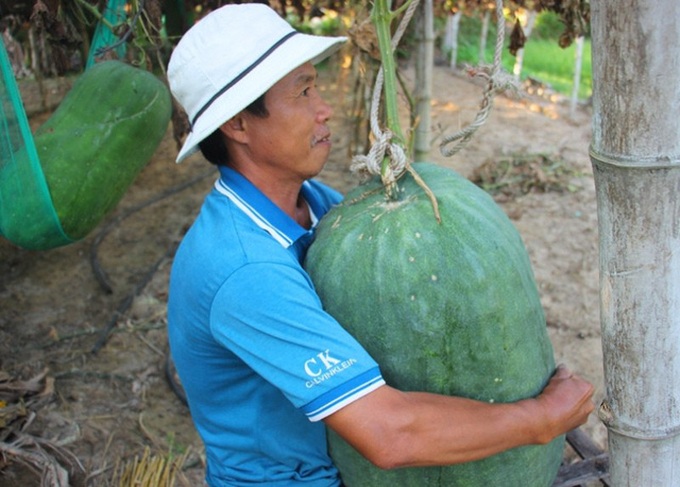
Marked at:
<point>497,82</point>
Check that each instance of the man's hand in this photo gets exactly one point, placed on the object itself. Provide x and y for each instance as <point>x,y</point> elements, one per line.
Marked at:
<point>565,403</point>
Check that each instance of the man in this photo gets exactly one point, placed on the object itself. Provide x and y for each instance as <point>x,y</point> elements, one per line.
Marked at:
<point>245,324</point>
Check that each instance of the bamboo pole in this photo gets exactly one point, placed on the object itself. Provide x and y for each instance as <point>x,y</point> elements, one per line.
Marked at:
<point>486,17</point>
<point>578,64</point>
<point>423,88</point>
<point>450,41</point>
<point>635,154</point>
<point>519,57</point>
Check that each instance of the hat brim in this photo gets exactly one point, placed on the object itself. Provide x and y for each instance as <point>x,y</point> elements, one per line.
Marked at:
<point>299,49</point>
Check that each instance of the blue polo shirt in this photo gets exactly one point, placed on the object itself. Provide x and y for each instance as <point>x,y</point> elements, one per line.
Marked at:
<point>260,360</point>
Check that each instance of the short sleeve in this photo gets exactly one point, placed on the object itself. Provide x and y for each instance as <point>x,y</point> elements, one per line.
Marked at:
<point>269,315</point>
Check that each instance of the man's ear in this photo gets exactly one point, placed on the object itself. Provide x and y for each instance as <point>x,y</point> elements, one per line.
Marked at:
<point>234,128</point>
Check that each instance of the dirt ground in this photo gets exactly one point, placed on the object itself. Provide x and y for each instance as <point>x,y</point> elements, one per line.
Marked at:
<point>106,398</point>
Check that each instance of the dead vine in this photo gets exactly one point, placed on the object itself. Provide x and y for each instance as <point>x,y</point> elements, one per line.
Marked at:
<point>20,401</point>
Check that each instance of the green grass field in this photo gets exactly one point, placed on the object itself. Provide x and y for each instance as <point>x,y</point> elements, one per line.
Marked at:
<point>545,60</point>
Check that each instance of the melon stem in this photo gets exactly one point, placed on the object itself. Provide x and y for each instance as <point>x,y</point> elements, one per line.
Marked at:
<point>382,17</point>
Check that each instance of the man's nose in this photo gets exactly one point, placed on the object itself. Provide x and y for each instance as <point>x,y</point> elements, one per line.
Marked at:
<point>325,110</point>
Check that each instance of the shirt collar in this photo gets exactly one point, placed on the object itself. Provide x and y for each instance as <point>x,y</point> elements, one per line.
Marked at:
<point>260,209</point>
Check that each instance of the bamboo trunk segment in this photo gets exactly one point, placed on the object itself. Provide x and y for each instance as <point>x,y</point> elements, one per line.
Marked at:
<point>635,154</point>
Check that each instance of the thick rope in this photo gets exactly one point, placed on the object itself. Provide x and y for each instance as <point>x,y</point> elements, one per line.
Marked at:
<point>371,163</point>
<point>497,82</point>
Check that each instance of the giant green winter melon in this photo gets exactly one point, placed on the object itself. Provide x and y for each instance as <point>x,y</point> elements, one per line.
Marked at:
<point>449,307</point>
<point>103,133</point>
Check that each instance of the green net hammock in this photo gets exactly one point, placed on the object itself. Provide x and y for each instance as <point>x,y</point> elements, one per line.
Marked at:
<point>104,37</point>
<point>27,216</point>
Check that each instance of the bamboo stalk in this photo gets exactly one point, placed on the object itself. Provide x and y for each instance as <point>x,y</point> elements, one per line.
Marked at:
<point>423,90</point>
<point>636,160</point>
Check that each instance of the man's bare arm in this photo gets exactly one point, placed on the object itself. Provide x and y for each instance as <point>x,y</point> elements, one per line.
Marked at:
<point>399,429</point>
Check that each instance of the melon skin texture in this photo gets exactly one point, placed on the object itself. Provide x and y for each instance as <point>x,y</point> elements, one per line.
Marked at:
<point>98,140</point>
<point>449,308</point>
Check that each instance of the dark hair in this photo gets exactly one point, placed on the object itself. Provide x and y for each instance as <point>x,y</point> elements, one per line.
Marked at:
<point>213,147</point>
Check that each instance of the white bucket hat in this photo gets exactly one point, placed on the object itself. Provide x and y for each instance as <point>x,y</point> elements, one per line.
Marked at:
<point>230,58</point>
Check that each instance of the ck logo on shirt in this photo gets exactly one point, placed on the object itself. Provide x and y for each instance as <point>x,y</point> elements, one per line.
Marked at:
<point>324,366</point>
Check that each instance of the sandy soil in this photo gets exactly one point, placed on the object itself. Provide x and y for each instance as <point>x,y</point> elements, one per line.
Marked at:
<point>107,398</point>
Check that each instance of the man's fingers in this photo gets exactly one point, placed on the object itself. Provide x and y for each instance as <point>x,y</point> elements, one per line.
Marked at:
<point>563,372</point>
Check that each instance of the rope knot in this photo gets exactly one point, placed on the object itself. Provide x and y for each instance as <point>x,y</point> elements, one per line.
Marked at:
<point>498,80</point>
<point>371,164</point>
